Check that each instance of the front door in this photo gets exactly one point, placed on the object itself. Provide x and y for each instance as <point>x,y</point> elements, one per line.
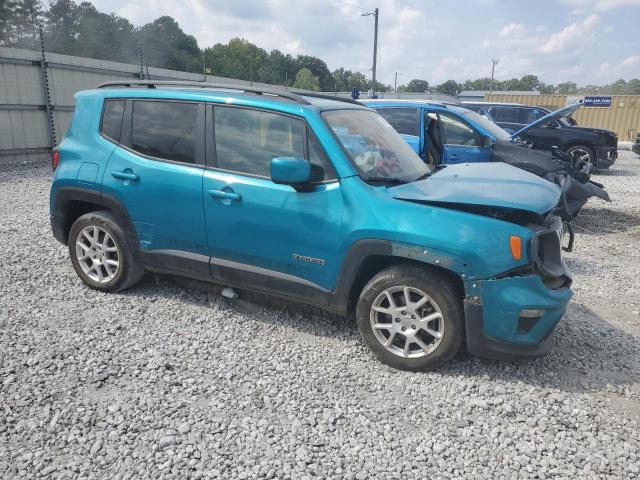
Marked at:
<point>268,236</point>
<point>156,173</point>
<point>461,142</point>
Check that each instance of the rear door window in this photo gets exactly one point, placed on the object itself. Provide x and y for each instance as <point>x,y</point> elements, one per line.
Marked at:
<point>112,119</point>
<point>403,120</point>
<point>165,130</point>
<point>505,114</point>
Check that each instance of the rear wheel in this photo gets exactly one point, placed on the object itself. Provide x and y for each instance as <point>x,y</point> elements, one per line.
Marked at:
<point>411,318</point>
<point>582,153</point>
<point>100,253</point>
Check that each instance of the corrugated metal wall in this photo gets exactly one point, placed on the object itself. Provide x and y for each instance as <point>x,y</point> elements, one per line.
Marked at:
<point>623,117</point>
<point>24,134</point>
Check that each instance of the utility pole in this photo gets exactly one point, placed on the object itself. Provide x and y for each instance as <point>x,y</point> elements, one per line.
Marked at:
<point>493,69</point>
<point>375,49</point>
<point>395,83</point>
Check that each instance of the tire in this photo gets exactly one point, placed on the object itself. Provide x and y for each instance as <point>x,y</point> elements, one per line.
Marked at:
<point>443,300</point>
<point>582,152</point>
<point>94,261</point>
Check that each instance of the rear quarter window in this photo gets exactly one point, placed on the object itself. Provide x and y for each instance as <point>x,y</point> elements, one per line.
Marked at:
<point>165,130</point>
<point>112,113</point>
<point>403,120</point>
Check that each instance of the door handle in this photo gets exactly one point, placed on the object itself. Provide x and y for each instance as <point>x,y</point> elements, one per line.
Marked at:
<point>125,176</point>
<point>225,195</point>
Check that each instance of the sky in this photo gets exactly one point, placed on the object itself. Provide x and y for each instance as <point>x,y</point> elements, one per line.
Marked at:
<point>584,41</point>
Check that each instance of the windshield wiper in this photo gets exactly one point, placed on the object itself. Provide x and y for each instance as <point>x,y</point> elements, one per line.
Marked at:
<point>394,181</point>
<point>424,175</point>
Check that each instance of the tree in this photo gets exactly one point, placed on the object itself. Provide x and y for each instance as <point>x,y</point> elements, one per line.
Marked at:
<point>166,45</point>
<point>567,88</point>
<point>479,84</point>
<point>345,80</point>
<point>19,22</point>
<point>7,18</point>
<point>306,80</point>
<point>450,87</point>
<point>546,89</point>
<point>529,82</point>
<point>633,86</point>
<point>318,68</point>
<point>239,59</point>
<point>417,85</point>
<point>103,36</point>
<point>62,27</point>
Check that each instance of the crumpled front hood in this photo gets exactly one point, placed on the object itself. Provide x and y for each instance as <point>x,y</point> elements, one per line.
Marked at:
<point>563,112</point>
<point>493,184</point>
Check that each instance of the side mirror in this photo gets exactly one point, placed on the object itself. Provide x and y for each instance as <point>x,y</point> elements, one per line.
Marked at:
<point>487,142</point>
<point>290,171</point>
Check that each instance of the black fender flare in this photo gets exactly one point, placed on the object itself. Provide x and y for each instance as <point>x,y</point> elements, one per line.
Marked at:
<point>362,249</point>
<point>65,195</point>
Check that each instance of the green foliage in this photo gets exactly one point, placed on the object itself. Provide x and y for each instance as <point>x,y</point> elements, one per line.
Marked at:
<point>450,87</point>
<point>306,80</point>
<point>345,80</point>
<point>416,85</point>
<point>19,22</point>
<point>80,29</point>
<point>567,88</point>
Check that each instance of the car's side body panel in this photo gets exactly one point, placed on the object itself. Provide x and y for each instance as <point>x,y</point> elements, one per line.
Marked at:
<point>309,244</point>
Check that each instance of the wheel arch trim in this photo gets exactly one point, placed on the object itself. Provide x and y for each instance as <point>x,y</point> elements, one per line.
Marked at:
<point>63,196</point>
<point>363,249</point>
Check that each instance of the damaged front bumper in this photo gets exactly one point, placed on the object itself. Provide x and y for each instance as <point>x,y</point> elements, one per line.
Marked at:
<point>605,157</point>
<point>513,315</point>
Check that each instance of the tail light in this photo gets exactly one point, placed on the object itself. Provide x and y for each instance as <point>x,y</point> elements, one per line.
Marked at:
<point>55,159</point>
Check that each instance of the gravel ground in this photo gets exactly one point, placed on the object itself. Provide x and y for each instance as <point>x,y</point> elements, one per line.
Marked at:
<point>170,380</point>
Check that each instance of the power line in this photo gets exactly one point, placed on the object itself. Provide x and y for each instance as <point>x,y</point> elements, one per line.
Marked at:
<point>352,5</point>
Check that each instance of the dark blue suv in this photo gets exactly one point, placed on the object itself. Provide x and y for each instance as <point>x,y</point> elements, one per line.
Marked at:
<point>315,200</point>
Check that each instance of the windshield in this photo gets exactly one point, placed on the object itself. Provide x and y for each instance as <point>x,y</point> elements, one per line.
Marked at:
<point>498,132</point>
<point>374,147</point>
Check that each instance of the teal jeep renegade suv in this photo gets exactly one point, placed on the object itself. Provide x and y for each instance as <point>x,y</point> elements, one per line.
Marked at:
<point>316,200</point>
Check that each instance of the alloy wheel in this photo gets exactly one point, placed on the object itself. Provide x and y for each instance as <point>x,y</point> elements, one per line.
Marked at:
<point>407,322</point>
<point>580,154</point>
<point>97,254</point>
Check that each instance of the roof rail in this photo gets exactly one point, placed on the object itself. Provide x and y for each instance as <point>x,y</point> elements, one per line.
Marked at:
<point>214,86</point>
<point>328,97</point>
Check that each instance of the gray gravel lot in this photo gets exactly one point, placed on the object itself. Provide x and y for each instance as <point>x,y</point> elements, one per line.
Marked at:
<point>170,380</point>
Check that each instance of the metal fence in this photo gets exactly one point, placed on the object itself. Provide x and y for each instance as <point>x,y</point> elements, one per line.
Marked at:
<point>36,96</point>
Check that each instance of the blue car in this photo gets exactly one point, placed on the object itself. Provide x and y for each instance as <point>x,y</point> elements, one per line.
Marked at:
<point>312,199</point>
<point>447,134</point>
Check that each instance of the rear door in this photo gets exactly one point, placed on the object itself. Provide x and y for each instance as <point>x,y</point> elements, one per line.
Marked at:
<point>156,173</point>
<point>461,142</point>
<point>261,234</point>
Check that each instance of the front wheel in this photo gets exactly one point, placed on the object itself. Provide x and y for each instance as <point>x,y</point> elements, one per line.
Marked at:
<point>411,318</point>
<point>582,153</point>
